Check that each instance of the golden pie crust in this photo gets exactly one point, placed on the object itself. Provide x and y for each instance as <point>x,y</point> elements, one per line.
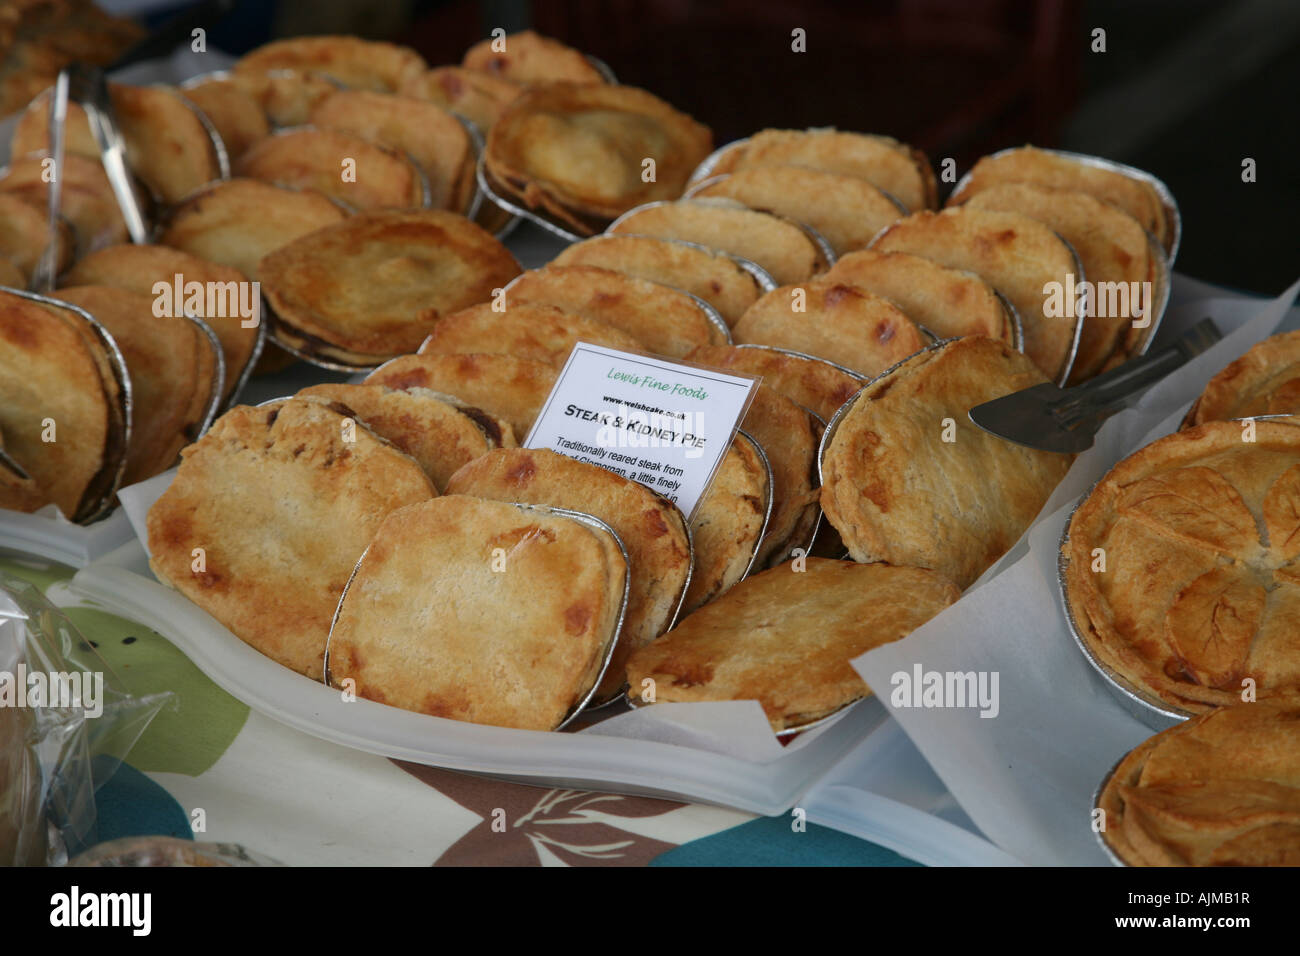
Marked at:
<point>1110,243</point>
<point>167,145</point>
<point>356,63</point>
<point>1015,254</point>
<point>712,276</point>
<point>788,434</point>
<point>1264,381</point>
<point>425,133</point>
<point>172,368</point>
<point>236,113</point>
<point>1029,165</point>
<point>50,368</point>
<point>375,285</point>
<point>1201,587</point>
<point>785,638</point>
<point>815,384</point>
<point>577,152</point>
<point>897,492</point>
<point>510,388</point>
<point>430,622</point>
<point>846,210</point>
<point>236,223</point>
<point>86,200</point>
<point>10,275</point>
<point>287,97</point>
<point>651,528</point>
<point>846,325</point>
<point>728,522</point>
<point>25,235</point>
<point>283,506</point>
<point>314,159</point>
<point>438,433</point>
<point>1221,789</point>
<point>779,245</point>
<point>898,169</point>
<point>947,302</point>
<point>139,268</point>
<point>527,330</point>
<point>529,58</point>
<point>665,320</point>
<point>479,97</point>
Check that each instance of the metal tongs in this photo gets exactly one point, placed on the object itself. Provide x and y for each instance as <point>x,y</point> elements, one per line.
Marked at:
<point>1051,418</point>
<point>85,85</point>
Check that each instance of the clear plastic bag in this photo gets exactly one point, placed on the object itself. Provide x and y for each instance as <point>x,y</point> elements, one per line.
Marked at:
<point>66,724</point>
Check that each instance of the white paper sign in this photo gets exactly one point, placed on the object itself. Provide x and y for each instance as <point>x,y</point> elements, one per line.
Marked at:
<point>663,424</point>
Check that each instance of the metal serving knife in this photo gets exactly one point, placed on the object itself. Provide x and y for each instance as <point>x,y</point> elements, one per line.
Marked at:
<point>1051,418</point>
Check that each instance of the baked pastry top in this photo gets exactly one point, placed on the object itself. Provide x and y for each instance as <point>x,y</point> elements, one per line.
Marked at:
<point>511,388</point>
<point>237,222</point>
<point>895,167</point>
<point>811,382</point>
<point>1264,381</point>
<point>1221,789</point>
<point>899,492</point>
<point>173,371</point>
<point>652,530</point>
<point>526,329</point>
<point>1200,586</point>
<point>50,368</point>
<point>234,111</point>
<point>728,522</point>
<point>282,499</point>
<point>86,197</point>
<point>579,152</point>
<point>477,96</point>
<point>785,638</point>
<point>167,145</point>
<point>846,210</point>
<point>1111,245</point>
<point>138,268</point>
<point>713,276</point>
<point>832,320</point>
<point>665,320</point>
<point>1029,165</point>
<point>376,284</point>
<point>25,235</point>
<point>780,246</point>
<point>947,302</point>
<point>529,57</point>
<point>309,158</point>
<point>481,611</point>
<point>356,63</point>
<point>1015,254</point>
<point>438,431</point>
<point>788,434</point>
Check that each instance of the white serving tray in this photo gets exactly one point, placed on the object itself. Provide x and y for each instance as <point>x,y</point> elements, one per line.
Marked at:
<point>57,539</point>
<point>860,775</point>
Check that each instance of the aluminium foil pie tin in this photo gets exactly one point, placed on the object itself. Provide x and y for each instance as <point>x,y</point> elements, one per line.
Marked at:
<point>1138,703</point>
<point>613,637</point>
<point>1111,855</point>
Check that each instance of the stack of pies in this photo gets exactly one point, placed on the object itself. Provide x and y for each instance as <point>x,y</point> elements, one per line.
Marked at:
<point>1264,381</point>
<point>1182,567</point>
<point>584,153</point>
<point>1222,789</point>
<point>64,409</point>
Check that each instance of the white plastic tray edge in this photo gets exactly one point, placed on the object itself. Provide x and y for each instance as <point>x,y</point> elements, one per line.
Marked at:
<point>64,542</point>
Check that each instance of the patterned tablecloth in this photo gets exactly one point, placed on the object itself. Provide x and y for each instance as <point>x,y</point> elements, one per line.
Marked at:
<point>210,769</point>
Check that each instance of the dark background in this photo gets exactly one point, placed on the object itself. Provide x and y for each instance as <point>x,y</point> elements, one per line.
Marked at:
<point>1186,88</point>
